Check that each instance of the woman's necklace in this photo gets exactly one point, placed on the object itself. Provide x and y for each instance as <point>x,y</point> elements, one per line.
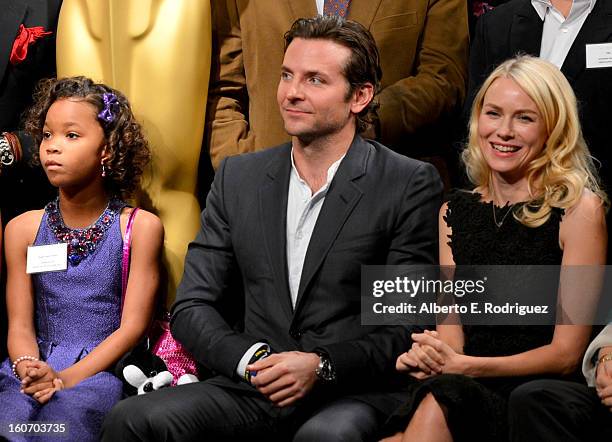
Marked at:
<point>499,224</point>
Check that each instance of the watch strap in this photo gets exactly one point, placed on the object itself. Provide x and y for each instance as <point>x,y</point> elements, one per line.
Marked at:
<point>7,157</point>
<point>325,370</point>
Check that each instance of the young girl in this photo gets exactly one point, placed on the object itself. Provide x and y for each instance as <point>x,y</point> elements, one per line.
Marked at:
<point>67,327</point>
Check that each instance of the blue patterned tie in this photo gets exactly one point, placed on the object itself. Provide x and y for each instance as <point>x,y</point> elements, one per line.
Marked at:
<point>336,7</point>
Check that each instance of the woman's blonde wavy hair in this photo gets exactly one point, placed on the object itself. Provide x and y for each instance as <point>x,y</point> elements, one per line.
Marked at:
<point>558,176</point>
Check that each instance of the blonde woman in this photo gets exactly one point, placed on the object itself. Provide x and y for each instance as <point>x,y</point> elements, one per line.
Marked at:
<point>536,201</point>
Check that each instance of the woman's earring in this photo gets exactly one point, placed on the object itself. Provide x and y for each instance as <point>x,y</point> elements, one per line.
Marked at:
<point>103,171</point>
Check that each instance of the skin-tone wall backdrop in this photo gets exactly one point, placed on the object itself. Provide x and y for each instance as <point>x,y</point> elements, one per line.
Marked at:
<point>157,52</point>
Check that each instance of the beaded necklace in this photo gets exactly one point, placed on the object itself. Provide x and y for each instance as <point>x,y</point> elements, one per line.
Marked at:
<point>81,242</point>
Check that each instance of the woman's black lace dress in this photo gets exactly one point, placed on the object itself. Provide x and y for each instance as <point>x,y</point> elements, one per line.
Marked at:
<point>477,407</point>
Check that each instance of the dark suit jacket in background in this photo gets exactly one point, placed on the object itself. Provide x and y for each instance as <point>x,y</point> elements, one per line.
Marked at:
<point>381,208</point>
<point>23,187</point>
<point>516,27</point>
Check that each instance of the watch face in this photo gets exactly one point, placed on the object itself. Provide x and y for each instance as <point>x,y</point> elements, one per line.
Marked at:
<point>325,371</point>
<point>6,157</point>
<point>6,154</point>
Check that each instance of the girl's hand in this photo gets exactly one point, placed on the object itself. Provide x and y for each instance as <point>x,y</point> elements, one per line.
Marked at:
<point>45,395</point>
<point>453,362</point>
<point>38,372</point>
<point>23,367</point>
<point>37,390</point>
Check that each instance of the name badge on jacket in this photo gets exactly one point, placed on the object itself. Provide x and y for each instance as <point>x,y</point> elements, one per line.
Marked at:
<point>51,258</point>
<point>599,55</point>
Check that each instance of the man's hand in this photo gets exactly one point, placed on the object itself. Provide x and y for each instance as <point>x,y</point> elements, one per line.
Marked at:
<point>603,383</point>
<point>285,377</point>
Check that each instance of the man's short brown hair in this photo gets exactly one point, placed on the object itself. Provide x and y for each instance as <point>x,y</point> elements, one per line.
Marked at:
<point>363,65</point>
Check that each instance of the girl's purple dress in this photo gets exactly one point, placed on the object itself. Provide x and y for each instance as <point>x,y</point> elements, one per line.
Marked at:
<point>75,311</point>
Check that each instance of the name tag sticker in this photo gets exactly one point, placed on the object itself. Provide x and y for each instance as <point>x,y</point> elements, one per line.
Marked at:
<point>599,55</point>
<point>51,258</point>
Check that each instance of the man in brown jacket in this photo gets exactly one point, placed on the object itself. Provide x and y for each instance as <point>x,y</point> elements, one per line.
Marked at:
<point>423,47</point>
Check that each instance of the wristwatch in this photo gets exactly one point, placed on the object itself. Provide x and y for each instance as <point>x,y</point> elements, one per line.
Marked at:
<point>6,153</point>
<point>325,370</point>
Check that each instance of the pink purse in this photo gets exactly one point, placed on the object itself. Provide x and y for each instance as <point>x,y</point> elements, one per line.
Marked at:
<point>178,360</point>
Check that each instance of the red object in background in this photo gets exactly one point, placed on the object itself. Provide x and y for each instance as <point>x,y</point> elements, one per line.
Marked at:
<point>25,38</point>
<point>480,7</point>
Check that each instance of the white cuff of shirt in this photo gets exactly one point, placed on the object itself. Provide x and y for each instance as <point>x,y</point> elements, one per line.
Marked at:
<point>244,361</point>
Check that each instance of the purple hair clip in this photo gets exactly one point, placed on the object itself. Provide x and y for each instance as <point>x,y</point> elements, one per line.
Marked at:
<point>110,107</point>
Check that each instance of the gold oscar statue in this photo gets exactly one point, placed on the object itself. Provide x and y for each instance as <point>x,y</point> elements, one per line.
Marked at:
<point>157,52</point>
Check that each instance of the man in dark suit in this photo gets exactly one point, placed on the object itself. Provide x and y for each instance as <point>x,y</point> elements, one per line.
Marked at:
<point>22,186</point>
<point>293,225</point>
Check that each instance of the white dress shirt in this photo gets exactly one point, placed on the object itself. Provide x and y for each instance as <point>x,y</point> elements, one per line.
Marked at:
<point>320,4</point>
<point>302,213</point>
<point>559,32</point>
<point>589,362</point>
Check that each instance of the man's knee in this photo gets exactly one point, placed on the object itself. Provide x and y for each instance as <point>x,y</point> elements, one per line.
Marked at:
<point>322,430</point>
<point>132,419</point>
<point>551,410</point>
<point>344,421</point>
<point>528,396</point>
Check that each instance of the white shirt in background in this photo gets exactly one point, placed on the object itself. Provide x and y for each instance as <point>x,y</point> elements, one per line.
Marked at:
<point>559,32</point>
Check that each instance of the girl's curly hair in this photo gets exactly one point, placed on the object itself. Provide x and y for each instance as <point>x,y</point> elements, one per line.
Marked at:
<point>128,151</point>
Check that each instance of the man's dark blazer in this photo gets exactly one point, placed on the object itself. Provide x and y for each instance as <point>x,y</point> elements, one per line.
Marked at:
<point>17,82</point>
<point>515,27</point>
<point>21,187</point>
<point>381,208</point>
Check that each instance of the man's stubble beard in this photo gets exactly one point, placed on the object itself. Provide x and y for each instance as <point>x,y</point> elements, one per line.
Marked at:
<point>317,133</point>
